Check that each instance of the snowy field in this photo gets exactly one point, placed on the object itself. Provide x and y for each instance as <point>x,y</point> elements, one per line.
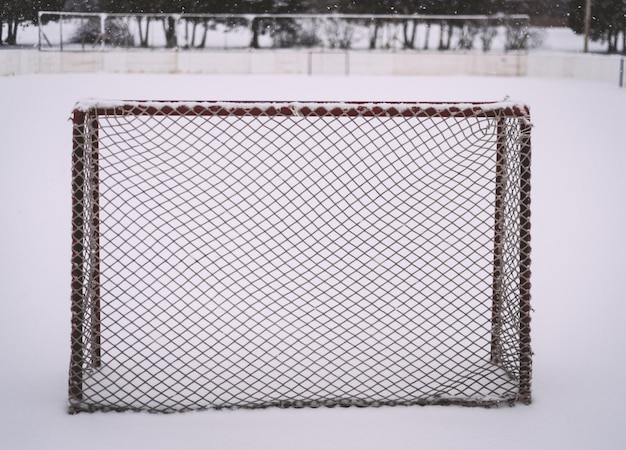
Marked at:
<point>579,243</point>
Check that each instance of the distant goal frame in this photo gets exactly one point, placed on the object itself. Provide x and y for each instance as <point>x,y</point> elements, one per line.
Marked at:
<point>98,302</point>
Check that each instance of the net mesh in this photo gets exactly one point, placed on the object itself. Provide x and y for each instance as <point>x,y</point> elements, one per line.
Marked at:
<point>299,254</point>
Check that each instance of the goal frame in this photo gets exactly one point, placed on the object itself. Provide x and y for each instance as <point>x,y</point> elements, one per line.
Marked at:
<point>86,209</point>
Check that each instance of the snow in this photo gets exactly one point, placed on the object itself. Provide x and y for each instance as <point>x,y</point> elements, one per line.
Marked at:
<point>561,39</point>
<point>296,108</point>
<point>578,246</point>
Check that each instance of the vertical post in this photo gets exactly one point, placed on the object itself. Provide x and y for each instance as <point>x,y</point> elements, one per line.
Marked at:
<point>38,34</point>
<point>498,240</point>
<point>587,25</point>
<point>621,67</point>
<point>95,244</point>
<point>524,307</point>
<point>102,30</point>
<point>78,259</point>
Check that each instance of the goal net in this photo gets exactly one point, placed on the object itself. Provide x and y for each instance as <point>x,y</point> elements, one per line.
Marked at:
<point>250,254</point>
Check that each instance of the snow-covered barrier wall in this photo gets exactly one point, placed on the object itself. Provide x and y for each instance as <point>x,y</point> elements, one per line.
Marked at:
<point>593,67</point>
<point>603,68</point>
<point>17,62</point>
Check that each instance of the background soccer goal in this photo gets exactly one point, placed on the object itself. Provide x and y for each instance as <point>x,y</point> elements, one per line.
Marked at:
<point>299,254</point>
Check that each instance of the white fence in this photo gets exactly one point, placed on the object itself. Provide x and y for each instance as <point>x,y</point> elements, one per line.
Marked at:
<point>593,67</point>
<point>607,69</point>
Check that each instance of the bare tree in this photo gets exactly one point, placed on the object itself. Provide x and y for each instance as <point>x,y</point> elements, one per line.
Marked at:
<point>15,12</point>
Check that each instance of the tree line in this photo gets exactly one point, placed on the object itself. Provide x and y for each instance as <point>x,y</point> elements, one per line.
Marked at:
<point>608,21</point>
<point>16,12</point>
<point>607,25</point>
<point>537,8</point>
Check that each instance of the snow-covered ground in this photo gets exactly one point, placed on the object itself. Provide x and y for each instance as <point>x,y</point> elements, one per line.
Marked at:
<point>579,243</point>
<point>560,39</point>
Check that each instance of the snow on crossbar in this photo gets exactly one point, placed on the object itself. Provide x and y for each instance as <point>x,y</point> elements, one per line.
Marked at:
<point>255,254</point>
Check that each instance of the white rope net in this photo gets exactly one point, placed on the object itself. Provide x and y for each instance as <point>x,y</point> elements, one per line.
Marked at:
<point>299,254</point>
